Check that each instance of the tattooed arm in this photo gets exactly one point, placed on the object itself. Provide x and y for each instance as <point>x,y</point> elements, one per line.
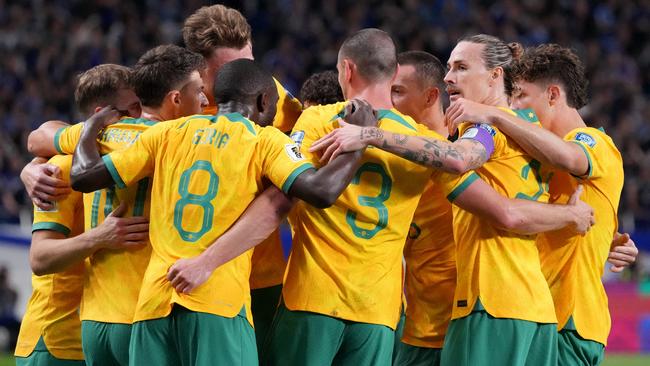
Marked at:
<point>457,157</point>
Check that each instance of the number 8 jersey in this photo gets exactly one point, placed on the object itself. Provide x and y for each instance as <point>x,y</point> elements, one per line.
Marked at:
<point>206,170</point>
<point>346,260</point>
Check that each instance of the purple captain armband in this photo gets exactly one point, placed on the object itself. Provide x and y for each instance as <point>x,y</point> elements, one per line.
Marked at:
<point>482,133</point>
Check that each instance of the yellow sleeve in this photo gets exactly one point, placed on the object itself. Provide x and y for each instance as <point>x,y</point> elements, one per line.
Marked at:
<point>61,218</point>
<point>594,147</point>
<point>307,130</point>
<point>288,109</point>
<point>137,161</point>
<point>282,158</point>
<point>66,138</point>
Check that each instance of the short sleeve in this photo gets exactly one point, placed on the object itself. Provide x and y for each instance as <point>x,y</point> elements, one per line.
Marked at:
<point>66,138</point>
<point>283,161</point>
<point>137,161</point>
<point>61,217</point>
<point>307,131</point>
<point>452,185</point>
<point>288,109</point>
<point>593,145</point>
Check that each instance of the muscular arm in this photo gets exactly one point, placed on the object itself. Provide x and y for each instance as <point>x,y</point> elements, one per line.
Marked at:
<point>457,157</point>
<point>40,142</point>
<point>260,219</point>
<point>89,173</point>
<point>523,216</point>
<point>542,144</point>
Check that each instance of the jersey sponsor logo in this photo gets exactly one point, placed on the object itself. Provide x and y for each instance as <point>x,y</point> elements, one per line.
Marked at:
<point>461,303</point>
<point>293,150</point>
<point>55,207</point>
<point>586,139</point>
<point>298,136</point>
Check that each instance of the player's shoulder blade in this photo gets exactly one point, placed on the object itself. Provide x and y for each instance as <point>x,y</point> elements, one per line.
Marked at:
<point>394,120</point>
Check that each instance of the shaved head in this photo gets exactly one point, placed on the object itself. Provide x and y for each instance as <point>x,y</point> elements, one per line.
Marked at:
<point>373,52</point>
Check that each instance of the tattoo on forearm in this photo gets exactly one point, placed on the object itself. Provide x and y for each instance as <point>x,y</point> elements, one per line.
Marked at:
<point>369,133</point>
<point>432,152</point>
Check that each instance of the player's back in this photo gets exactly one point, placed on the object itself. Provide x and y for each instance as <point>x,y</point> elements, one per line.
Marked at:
<point>206,170</point>
<point>112,271</point>
<point>499,267</point>
<point>350,254</point>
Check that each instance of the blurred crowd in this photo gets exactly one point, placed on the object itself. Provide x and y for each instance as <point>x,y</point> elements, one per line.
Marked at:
<point>45,44</point>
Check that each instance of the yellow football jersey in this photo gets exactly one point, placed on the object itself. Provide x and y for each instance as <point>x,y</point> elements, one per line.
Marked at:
<point>52,310</point>
<point>502,268</point>
<point>430,254</point>
<point>205,172</point>
<point>287,112</point>
<point>268,263</point>
<point>112,272</point>
<point>573,264</point>
<point>350,254</point>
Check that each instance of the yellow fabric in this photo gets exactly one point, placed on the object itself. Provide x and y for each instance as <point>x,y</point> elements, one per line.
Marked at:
<point>287,112</point>
<point>52,308</point>
<point>346,260</point>
<point>268,263</point>
<point>502,268</point>
<point>206,170</point>
<point>573,264</point>
<point>113,272</point>
<point>430,255</point>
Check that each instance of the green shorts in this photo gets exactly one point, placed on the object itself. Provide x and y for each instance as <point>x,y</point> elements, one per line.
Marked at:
<point>575,350</point>
<point>481,339</point>
<point>305,338</point>
<point>408,355</point>
<point>399,332</point>
<point>105,344</point>
<point>42,357</point>
<point>264,303</point>
<point>186,337</point>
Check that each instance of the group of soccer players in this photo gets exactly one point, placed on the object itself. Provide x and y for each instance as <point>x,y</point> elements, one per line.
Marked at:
<point>409,247</point>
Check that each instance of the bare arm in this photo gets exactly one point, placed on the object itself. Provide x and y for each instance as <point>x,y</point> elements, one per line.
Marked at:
<point>457,157</point>
<point>88,172</point>
<point>321,188</point>
<point>539,143</point>
<point>260,219</point>
<point>52,252</point>
<point>40,142</point>
<point>523,216</point>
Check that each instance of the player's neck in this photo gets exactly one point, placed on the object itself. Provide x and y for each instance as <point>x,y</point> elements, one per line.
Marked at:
<point>236,107</point>
<point>435,120</point>
<point>565,120</point>
<point>152,114</point>
<point>378,95</point>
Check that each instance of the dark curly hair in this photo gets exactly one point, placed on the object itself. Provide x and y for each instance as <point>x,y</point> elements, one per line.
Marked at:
<point>321,88</point>
<point>162,69</point>
<point>554,63</point>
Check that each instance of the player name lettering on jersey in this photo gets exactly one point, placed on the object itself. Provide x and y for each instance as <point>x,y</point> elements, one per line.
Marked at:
<point>210,136</point>
<point>118,135</point>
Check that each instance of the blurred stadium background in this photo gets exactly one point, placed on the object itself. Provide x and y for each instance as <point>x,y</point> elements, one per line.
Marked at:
<point>45,44</point>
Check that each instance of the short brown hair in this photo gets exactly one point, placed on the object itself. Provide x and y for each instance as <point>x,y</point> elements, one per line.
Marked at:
<point>497,53</point>
<point>554,63</point>
<point>216,26</point>
<point>428,68</point>
<point>161,69</point>
<point>99,85</point>
<point>374,53</point>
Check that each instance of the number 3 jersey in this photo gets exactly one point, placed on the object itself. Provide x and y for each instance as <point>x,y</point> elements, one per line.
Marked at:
<point>206,170</point>
<point>346,260</point>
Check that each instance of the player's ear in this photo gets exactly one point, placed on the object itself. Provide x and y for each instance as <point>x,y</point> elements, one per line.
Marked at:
<point>262,102</point>
<point>432,94</point>
<point>174,97</point>
<point>495,74</point>
<point>554,93</point>
<point>348,66</point>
